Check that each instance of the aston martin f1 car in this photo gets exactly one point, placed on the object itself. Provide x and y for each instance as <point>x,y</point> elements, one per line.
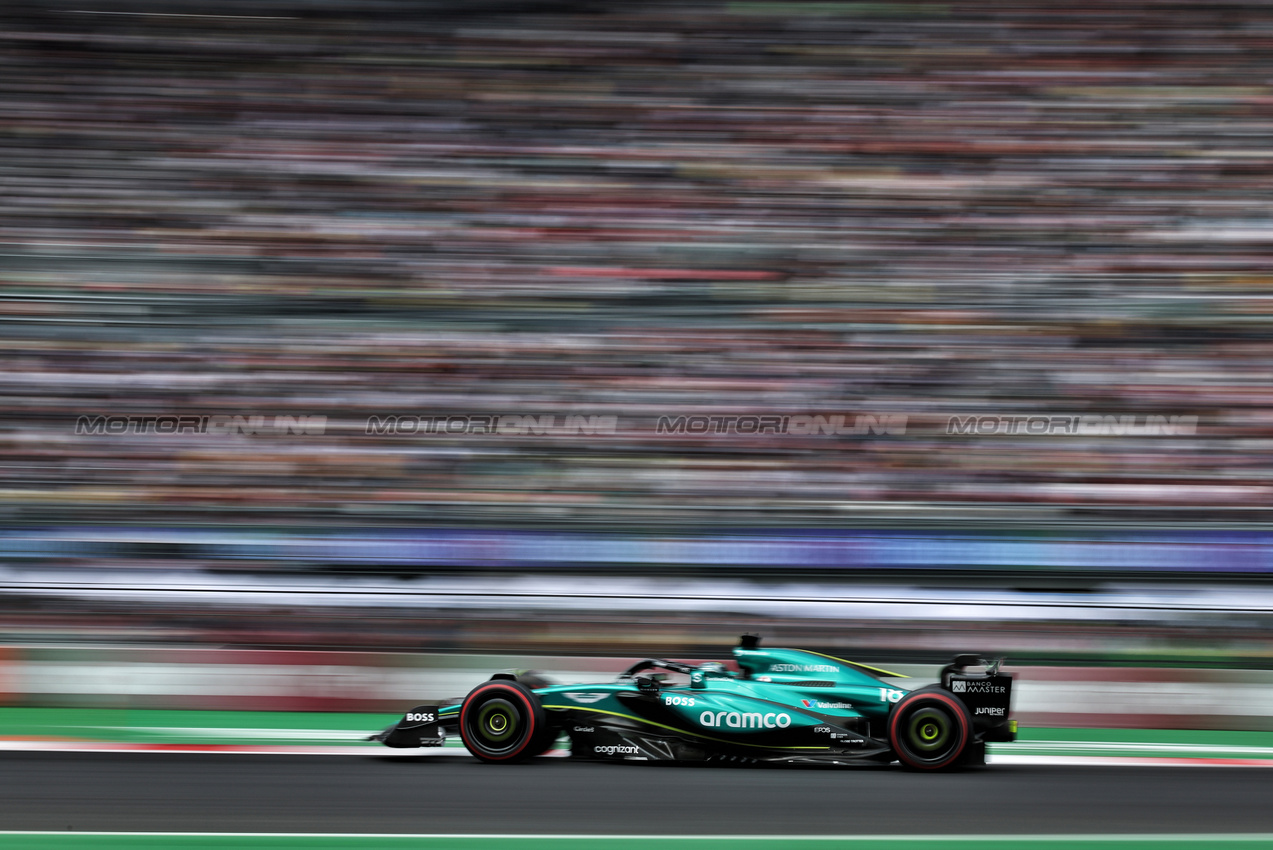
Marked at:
<point>780,705</point>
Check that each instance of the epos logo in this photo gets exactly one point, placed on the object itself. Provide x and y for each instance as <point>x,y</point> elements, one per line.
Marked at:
<point>745,720</point>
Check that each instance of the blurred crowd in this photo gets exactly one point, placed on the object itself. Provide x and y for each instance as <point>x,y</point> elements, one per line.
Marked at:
<point>634,210</point>
<point>1158,637</point>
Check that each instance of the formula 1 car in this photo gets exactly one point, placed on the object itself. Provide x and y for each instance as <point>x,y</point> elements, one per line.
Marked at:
<point>781,705</point>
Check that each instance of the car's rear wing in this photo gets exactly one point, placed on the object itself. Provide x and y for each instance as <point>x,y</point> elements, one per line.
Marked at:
<point>987,694</point>
<point>963,661</point>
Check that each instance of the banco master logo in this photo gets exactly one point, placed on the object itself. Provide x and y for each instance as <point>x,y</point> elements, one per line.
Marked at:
<point>745,719</point>
<point>813,703</point>
<point>962,686</point>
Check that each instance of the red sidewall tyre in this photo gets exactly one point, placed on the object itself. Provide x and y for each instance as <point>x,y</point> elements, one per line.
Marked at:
<point>929,729</point>
<point>503,722</point>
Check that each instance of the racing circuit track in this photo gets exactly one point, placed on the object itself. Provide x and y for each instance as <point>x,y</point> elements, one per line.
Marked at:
<point>372,794</point>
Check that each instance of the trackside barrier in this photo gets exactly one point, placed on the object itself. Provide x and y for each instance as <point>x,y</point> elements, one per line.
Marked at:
<point>1129,697</point>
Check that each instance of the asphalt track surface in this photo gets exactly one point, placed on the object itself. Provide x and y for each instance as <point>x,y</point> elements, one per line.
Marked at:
<point>268,793</point>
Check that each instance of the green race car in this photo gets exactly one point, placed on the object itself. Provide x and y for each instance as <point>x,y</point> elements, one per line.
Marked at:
<point>781,705</point>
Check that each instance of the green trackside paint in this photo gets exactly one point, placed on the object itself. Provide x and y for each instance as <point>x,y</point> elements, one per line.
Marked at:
<point>1143,743</point>
<point>1210,737</point>
<point>158,726</point>
<point>264,841</point>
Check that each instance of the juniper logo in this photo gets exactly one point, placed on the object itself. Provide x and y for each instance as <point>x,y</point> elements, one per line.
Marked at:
<point>1087,425</point>
<point>220,425</point>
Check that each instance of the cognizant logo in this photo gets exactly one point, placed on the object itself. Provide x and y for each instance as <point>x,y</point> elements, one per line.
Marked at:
<point>745,720</point>
<point>616,749</point>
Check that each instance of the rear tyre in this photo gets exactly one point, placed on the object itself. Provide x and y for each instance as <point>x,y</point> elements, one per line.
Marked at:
<point>503,722</point>
<point>930,730</point>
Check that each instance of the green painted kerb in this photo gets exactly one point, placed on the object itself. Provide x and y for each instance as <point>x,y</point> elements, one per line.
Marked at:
<point>1140,743</point>
<point>157,726</point>
<point>155,841</point>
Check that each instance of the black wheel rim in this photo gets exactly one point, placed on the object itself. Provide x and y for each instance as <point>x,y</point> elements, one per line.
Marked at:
<point>496,725</point>
<point>929,734</point>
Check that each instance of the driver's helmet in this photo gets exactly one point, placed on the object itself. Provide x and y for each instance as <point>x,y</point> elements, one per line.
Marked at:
<point>712,667</point>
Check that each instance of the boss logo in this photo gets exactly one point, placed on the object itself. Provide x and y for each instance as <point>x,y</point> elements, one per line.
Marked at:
<point>677,700</point>
<point>419,717</point>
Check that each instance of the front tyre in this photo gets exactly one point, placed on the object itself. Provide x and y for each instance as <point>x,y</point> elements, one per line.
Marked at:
<point>930,730</point>
<point>503,722</point>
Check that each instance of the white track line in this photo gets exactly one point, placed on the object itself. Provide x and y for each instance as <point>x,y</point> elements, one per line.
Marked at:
<point>459,752</point>
<point>1126,761</point>
<point>241,749</point>
<point>1154,838</point>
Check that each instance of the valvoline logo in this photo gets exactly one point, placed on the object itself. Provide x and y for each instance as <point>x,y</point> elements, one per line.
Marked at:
<point>814,703</point>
